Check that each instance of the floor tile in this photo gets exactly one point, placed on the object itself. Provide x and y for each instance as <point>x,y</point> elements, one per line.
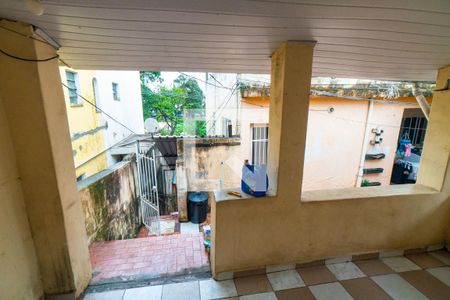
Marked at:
<point>427,284</point>
<point>302,293</point>
<point>425,261</point>
<point>252,285</point>
<point>184,290</point>
<point>441,273</point>
<point>316,275</point>
<point>278,268</point>
<point>364,289</point>
<point>347,270</point>
<point>330,291</point>
<point>398,288</point>
<point>373,267</point>
<point>147,293</point>
<point>211,289</point>
<point>111,295</point>
<point>442,255</point>
<point>339,259</point>
<point>261,296</point>
<point>285,280</point>
<point>189,227</point>
<point>400,264</point>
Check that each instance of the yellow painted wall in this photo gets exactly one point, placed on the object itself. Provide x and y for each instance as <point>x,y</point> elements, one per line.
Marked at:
<point>82,119</point>
<point>253,233</point>
<point>19,274</point>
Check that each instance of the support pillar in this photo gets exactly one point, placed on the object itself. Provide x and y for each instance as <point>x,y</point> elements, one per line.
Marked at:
<point>288,117</point>
<point>435,155</point>
<point>34,103</point>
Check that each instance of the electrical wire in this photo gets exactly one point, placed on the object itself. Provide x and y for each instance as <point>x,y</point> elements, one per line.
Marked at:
<point>28,59</point>
<point>222,106</point>
<point>93,104</point>
<point>25,35</point>
<point>210,75</point>
<point>220,87</point>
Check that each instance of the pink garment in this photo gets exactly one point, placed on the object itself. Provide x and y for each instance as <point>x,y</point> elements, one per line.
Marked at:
<point>407,150</point>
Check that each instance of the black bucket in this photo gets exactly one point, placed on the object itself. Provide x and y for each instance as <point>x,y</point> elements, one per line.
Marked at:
<point>197,206</point>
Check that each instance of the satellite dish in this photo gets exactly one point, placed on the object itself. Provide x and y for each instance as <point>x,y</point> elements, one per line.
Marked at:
<point>151,125</point>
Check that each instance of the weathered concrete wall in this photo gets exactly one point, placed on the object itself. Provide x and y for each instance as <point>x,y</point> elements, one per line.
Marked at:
<point>110,204</point>
<point>200,168</point>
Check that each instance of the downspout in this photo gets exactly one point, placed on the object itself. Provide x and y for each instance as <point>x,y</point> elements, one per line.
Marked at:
<point>422,101</point>
<point>364,144</point>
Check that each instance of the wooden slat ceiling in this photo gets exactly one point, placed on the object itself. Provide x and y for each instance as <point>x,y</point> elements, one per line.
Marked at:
<point>384,39</point>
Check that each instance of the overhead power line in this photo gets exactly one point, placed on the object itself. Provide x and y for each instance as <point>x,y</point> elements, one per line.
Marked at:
<point>210,75</point>
<point>93,104</point>
<point>209,83</point>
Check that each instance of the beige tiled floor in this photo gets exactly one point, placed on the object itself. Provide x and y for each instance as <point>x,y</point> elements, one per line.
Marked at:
<point>414,276</point>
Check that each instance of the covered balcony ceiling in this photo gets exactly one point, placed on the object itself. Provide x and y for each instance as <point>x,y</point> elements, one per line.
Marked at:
<point>385,39</point>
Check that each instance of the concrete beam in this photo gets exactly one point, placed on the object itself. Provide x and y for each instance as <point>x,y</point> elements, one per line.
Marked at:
<point>435,155</point>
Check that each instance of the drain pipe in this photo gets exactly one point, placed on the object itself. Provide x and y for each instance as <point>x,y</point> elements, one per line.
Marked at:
<point>422,101</point>
<point>365,142</point>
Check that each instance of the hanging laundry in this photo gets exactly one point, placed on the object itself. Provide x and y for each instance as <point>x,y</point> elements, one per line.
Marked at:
<point>407,150</point>
<point>404,145</point>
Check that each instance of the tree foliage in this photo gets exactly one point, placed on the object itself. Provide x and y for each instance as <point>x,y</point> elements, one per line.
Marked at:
<point>180,107</point>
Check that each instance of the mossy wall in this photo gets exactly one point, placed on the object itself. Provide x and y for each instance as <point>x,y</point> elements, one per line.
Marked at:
<point>111,206</point>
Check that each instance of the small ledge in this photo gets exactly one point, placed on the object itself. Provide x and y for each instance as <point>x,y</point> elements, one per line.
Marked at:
<point>366,192</point>
<point>222,195</point>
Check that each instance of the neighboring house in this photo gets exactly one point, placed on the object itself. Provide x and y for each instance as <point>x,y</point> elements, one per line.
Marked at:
<point>115,113</point>
<point>336,129</point>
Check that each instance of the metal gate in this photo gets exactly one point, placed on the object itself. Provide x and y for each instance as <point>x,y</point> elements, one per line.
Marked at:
<point>148,186</point>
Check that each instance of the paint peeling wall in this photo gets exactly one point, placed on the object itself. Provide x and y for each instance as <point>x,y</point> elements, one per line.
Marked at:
<point>110,205</point>
<point>199,167</point>
<point>86,126</point>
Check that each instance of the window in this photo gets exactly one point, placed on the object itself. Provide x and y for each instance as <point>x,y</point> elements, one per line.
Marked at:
<point>260,139</point>
<point>72,83</point>
<point>81,177</point>
<point>95,91</point>
<point>227,127</point>
<point>115,88</point>
<point>413,128</point>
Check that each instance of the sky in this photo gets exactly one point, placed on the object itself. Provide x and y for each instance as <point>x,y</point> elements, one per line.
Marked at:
<point>169,77</point>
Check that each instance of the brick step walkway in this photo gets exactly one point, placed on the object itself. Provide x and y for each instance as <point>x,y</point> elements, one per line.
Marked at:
<point>150,257</point>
